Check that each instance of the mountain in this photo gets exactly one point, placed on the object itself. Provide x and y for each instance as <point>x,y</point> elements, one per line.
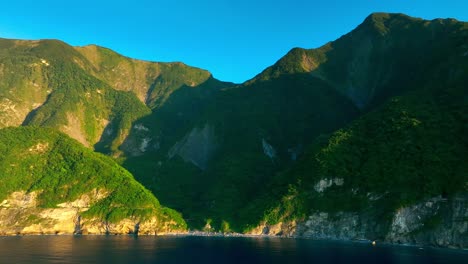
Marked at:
<point>90,93</point>
<point>227,166</point>
<point>385,56</point>
<point>362,138</point>
<point>151,82</point>
<point>53,184</point>
<point>214,163</point>
<point>398,172</point>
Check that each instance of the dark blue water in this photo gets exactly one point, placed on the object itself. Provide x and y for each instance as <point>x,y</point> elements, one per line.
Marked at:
<point>127,249</point>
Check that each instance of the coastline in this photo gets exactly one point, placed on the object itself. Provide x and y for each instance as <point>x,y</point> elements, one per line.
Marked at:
<point>239,235</point>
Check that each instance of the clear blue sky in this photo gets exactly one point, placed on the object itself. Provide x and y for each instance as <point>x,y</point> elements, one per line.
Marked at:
<point>234,39</point>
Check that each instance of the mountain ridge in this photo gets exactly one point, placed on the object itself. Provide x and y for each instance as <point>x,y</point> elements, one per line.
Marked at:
<point>51,70</point>
<point>413,56</point>
<point>282,153</point>
<point>359,43</point>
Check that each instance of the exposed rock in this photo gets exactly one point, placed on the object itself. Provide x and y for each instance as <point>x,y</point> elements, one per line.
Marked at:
<point>45,62</point>
<point>74,129</point>
<point>208,227</point>
<point>144,144</point>
<point>435,221</point>
<point>127,226</point>
<point>39,148</point>
<point>342,225</point>
<point>20,199</point>
<point>140,127</point>
<point>279,229</point>
<point>140,142</point>
<point>323,184</point>
<point>12,113</point>
<point>372,196</point>
<point>268,149</point>
<point>86,200</point>
<point>77,223</point>
<point>106,126</point>
<point>197,147</point>
<point>19,214</point>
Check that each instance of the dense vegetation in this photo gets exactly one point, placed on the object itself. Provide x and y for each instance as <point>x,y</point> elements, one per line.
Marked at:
<point>412,148</point>
<point>383,109</point>
<point>86,103</point>
<point>62,170</point>
<point>151,82</point>
<point>301,99</point>
<point>385,56</point>
<point>91,93</point>
<point>277,112</point>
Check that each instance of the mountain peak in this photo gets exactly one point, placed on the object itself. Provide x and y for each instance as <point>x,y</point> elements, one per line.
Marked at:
<point>379,17</point>
<point>380,22</point>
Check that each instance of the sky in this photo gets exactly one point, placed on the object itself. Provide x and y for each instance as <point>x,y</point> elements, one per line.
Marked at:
<point>233,39</point>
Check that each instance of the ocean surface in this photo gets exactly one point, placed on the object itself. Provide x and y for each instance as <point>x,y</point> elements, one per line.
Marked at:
<point>192,249</point>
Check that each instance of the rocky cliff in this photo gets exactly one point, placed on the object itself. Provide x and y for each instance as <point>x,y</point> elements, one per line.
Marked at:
<point>436,221</point>
<point>54,185</point>
<point>20,214</point>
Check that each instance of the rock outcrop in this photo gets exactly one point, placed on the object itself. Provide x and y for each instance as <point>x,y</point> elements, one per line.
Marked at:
<point>21,215</point>
<point>196,147</point>
<point>436,221</point>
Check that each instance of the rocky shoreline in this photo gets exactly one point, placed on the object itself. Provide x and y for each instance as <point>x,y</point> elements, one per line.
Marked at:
<point>435,222</point>
<point>239,235</point>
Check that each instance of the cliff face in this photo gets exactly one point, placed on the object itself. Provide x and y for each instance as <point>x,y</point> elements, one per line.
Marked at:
<point>52,184</point>
<point>436,221</point>
<point>21,215</point>
<point>196,147</point>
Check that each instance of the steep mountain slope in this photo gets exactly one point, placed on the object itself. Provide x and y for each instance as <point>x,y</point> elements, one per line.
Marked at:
<point>396,174</point>
<point>215,162</point>
<point>384,56</point>
<point>191,154</point>
<point>52,184</point>
<point>233,147</point>
<point>363,138</point>
<point>152,82</point>
<point>90,93</point>
<point>20,95</point>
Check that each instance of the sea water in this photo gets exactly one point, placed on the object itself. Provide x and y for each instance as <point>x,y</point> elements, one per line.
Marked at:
<point>193,249</point>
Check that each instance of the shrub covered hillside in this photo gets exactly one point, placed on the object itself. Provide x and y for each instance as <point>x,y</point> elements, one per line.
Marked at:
<point>409,154</point>
<point>397,173</point>
<point>43,170</point>
<point>90,93</point>
<point>231,151</point>
<point>384,56</point>
<point>362,138</point>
